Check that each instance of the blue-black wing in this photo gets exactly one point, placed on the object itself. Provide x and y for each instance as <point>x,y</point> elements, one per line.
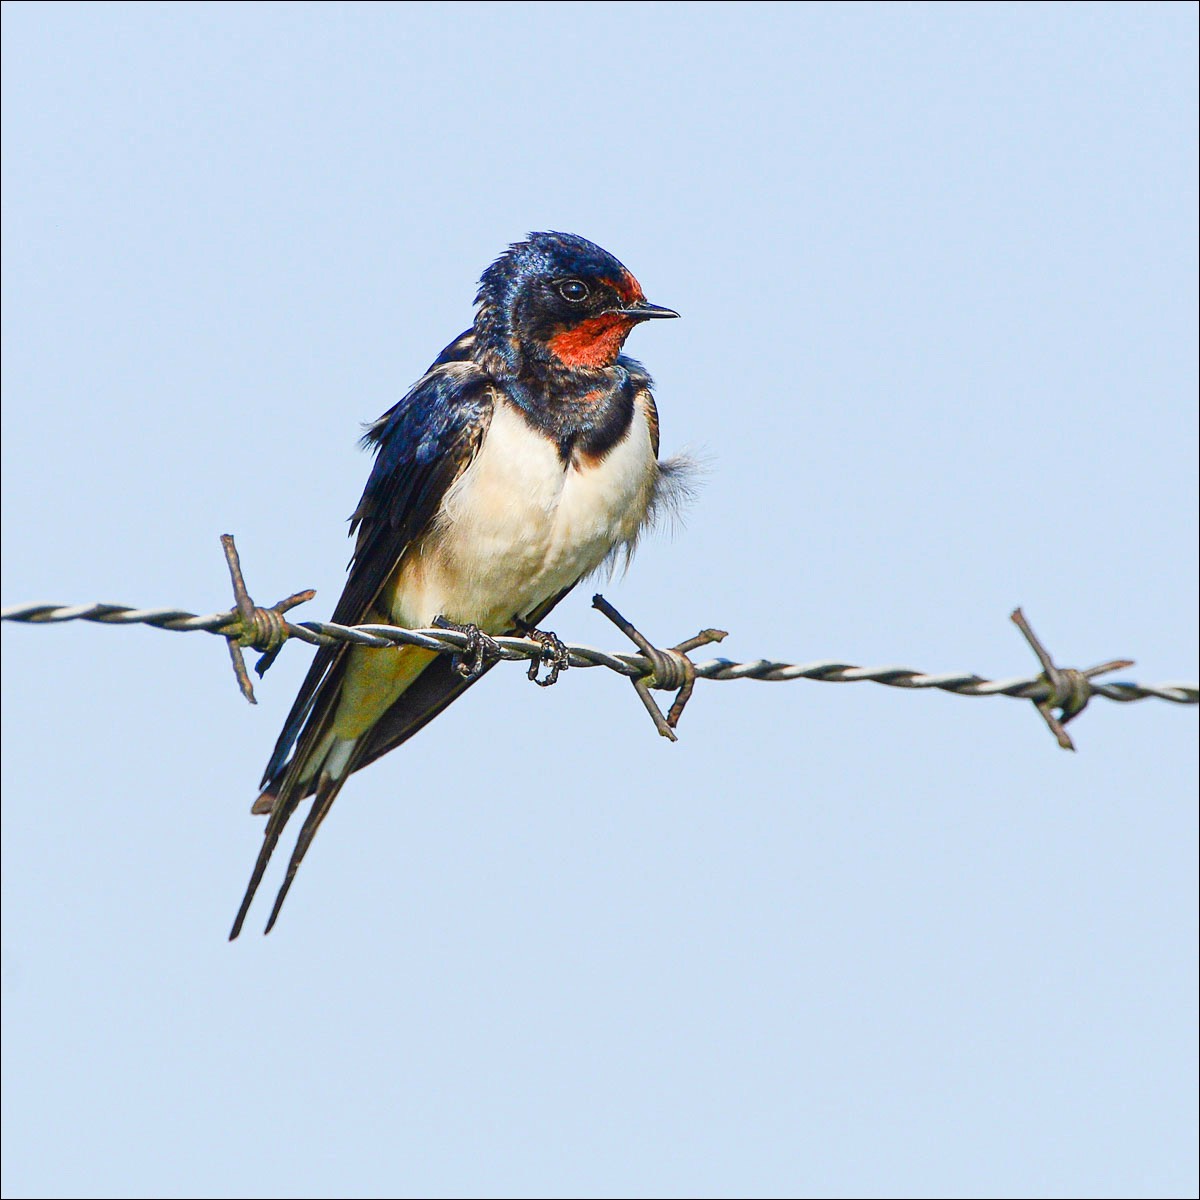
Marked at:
<point>422,445</point>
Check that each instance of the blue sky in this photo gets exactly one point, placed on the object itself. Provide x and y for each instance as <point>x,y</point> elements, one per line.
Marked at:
<point>937,267</point>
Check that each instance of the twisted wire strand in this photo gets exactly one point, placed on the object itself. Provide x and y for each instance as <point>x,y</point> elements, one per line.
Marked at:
<point>633,666</point>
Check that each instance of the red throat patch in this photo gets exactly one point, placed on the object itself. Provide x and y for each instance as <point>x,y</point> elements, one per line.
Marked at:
<point>595,342</point>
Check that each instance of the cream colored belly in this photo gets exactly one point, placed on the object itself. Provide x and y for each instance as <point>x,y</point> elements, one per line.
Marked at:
<point>518,526</point>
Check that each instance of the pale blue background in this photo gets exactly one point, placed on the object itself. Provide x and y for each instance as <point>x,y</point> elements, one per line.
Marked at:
<point>937,267</point>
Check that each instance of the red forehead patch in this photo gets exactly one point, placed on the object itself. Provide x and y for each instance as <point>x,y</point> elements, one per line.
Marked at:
<point>626,287</point>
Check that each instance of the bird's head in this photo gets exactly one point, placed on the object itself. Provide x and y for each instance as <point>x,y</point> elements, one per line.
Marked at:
<point>557,300</point>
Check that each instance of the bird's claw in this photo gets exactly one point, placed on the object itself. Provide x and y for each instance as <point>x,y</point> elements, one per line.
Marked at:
<point>554,652</point>
<point>471,663</point>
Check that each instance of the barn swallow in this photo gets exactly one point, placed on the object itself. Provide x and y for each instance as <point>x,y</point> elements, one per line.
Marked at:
<point>522,460</point>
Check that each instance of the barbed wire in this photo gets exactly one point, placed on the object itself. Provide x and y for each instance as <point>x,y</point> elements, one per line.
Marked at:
<point>1059,693</point>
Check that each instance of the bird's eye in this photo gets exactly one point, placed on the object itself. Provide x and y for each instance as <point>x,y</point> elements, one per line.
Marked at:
<point>573,290</point>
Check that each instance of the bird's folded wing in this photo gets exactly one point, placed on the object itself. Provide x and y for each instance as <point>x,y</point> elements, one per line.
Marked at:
<point>422,445</point>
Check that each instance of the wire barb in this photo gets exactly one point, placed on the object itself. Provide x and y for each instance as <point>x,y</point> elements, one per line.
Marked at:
<point>668,670</point>
<point>1070,690</point>
<point>247,626</point>
<point>252,627</point>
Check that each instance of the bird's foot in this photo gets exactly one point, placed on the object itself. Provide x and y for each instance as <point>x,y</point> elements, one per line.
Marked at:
<point>554,652</point>
<point>471,663</point>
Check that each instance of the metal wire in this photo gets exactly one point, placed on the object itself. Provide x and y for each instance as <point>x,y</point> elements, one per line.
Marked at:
<point>1059,694</point>
<point>444,641</point>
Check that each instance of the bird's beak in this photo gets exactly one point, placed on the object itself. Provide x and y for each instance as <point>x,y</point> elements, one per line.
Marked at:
<point>643,310</point>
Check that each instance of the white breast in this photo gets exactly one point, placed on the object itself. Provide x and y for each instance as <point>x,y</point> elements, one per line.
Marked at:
<point>519,525</point>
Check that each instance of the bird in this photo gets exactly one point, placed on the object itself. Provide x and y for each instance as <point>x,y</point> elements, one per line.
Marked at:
<point>522,461</point>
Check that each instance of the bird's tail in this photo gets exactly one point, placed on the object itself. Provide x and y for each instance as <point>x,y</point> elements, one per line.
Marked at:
<point>328,786</point>
<point>352,692</point>
<point>338,763</point>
